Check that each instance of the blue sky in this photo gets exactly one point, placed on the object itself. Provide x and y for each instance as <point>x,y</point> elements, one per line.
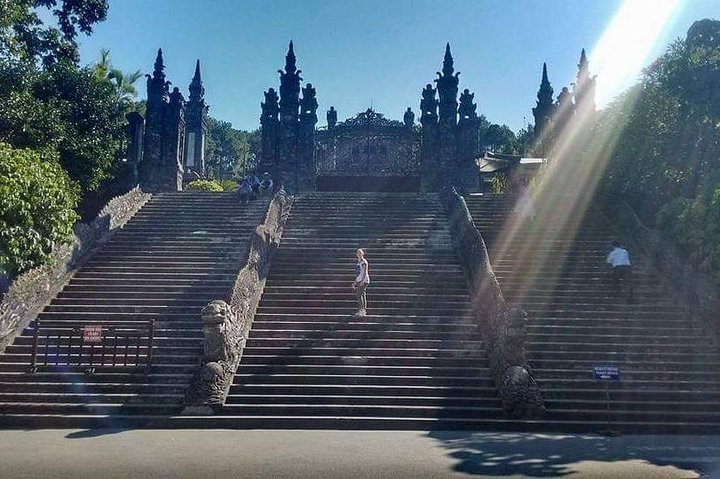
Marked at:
<point>363,51</point>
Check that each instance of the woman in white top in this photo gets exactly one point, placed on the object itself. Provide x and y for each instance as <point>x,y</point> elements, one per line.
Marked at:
<point>362,279</point>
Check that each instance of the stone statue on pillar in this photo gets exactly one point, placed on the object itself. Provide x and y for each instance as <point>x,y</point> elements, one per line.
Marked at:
<point>270,129</point>
<point>409,118</point>
<point>306,169</point>
<point>331,117</point>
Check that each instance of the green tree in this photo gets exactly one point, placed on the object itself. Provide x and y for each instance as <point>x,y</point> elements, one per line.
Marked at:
<point>498,138</point>
<point>229,150</point>
<point>123,82</point>
<point>65,109</point>
<point>525,138</point>
<point>36,208</point>
<point>23,34</point>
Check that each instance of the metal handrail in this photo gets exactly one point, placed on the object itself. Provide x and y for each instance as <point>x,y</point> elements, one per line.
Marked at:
<point>93,345</point>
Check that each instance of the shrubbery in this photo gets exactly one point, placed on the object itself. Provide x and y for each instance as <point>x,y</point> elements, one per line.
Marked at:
<point>37,201</point>
<point>228,185</point>
<point>204,185</point>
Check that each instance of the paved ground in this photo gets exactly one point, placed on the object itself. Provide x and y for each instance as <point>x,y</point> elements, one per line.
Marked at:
<point>223,454</point>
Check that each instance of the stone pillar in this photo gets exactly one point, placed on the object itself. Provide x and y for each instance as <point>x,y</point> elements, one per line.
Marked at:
<point>170,177</point>
<point>467,142</point>
<point>157,101</point>
<point>287,161</point>
<point>447,88</point>
<point>447,171</point>
<point>307,168</point>
<point>270,130</point>
<point>429,171</point>
<point>197,124</point>
<point>136,132</point>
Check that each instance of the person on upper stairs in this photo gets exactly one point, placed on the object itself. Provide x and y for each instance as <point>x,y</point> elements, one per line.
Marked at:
<point>266,185</point>
<point>255,185</point>
<point>524,204</point>
<point>245,190</point>
<point>619,261</point>
<point>362,279</point>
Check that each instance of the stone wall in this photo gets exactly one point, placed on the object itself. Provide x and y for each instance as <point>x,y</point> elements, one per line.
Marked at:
<point>502,325</point>
<point>33,290</point>
<point>699,294</point>
<point>226,324</point>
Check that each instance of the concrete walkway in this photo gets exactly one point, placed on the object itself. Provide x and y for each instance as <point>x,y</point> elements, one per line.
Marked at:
<point>225,454</point>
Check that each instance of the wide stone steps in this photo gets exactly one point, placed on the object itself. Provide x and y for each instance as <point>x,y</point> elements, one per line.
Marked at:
<point>355,400</point>
<point>254,358</point>
<point>177,253</point>
<point>309,325</point>
<point>417,356</point>
<point>554,268</point>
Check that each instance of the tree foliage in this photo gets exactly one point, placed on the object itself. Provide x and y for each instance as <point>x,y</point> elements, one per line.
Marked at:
<point>497,138</point>
<point>667,135</point>
<point>64,109</point>
<point>24,35</point>
<point>230,152</point>
<point>36,208</point>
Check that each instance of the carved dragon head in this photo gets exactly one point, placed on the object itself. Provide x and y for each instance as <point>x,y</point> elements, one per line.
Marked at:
<point>216,313</point>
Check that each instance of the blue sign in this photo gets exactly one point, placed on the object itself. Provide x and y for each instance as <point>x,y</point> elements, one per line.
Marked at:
<point>606,373</point>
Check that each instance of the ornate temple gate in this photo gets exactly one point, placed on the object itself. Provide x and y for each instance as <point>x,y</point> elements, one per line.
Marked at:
<point>368,153</point>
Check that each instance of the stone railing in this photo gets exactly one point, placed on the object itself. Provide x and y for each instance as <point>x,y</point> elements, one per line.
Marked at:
<point>698,293</point>
<point>502,325</point>
<point>226,324</point>
<point>33,290</point>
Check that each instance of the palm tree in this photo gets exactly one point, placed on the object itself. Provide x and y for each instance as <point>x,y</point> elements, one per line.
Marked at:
<point>125,84</point>
<point>102,66</point>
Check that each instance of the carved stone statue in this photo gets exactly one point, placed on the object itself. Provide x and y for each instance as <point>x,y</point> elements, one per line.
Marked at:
<point>308,103</point>
<point>467,109</point>
<point>176,97</point>
<point>429,103</point>
<point>221,353</point>
<point>217,319</point>
<point>270,107</point>
<point>409,118</point>
<point>564,99</point>
<point>331,117</point>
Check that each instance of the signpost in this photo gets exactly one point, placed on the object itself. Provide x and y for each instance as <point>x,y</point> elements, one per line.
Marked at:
<point>92,334</point>
<point>607,374</point>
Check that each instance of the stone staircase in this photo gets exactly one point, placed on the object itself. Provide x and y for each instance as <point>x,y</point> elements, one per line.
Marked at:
<point>177,253</point>
<point>416,360</point>
<point>555,268</point>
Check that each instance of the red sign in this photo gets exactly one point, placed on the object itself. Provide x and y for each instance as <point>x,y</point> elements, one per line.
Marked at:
<point>92,334</point>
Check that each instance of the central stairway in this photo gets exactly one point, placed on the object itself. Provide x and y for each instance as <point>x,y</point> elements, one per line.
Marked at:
<point>555,269</point>
<point>416,360</point>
